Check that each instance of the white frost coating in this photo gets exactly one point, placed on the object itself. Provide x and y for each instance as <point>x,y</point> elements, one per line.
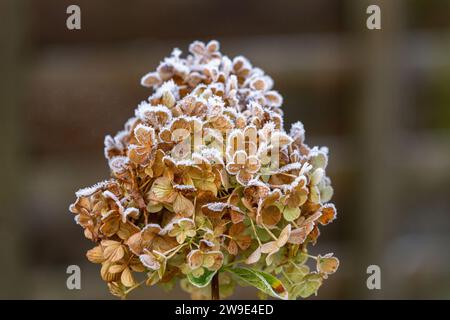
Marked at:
<point>119,164</point>
<point>269,82</point>
<point>120,137</point>
<point>186,220</point>
<point>208,156</point>
<point>298,131</point>
<point>274,99</point>
<point>129,124</point>
<point>176,53</point>
<point>134,147</point>
<point>231,111</point>
<point>281,138</point>
<point>183,162</point>
<point>226,65</point>
<point>331,205</point>
<point>305,169</point>
<point>88,191</point>
<point>177,221</point>
<point>257,183</point>
<point>132,212</point>
<point>112,196</point>
<point>148,113</point>
<point>173,65</point>
<point>185,118</point>
<point>151,79</point>
<point>212,155</point>
<point>116,143</point>
<point>184,187</point>
<point>269,127</point>
<point>243,61</point>
<point>233,134</point>
<point>142,109</point>
<point>149,262</point>
<point>112,143</point>
<point>153,225</point>
<point>168,86</point>
<point>257,72</point>
<point>146,129</point>
<point>300,180</point>
<point>319,157</point>
<point>291,166</point>
<point>199,159</point>
<point>316,176</point>
<point>215,102</point>
<point>220,206</point>
<point>141,126</point>
<point>208,244</point>
<point>216,206</point>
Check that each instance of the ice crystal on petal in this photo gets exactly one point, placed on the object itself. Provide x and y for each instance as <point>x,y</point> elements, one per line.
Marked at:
<point>119,164</point>
<point>88,191</point>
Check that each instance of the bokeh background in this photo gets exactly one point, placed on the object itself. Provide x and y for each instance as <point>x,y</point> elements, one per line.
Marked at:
<point>380,100</point>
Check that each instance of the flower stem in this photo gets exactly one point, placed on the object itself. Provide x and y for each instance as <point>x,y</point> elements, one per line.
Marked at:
<point>215,295</point>
<point>254,231</point>
<point>235,262</point>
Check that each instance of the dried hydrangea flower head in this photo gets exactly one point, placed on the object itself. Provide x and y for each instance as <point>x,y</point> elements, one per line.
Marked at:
<point>207,187</point>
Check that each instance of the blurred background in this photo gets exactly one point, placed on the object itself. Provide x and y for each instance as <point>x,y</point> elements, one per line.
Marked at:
<point>380,100</point>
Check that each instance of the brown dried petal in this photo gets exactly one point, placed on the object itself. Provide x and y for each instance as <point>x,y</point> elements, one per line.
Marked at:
<point>271,215</point>
<point>95,255</point>
<point>298,236</point>
<point>183,206</point>
<point>195,259</point>
<point>232,248</point>
<point>113,252</point>
<point>151,79</point>
<point>327,264</point>
<point>328,214</point>
<point>213,260</point>
<point>127,278</point>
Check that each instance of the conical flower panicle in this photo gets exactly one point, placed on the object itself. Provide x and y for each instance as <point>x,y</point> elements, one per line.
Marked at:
<point>205,179</point>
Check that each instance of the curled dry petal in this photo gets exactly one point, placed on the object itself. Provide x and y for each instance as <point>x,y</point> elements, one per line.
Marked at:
<point>220,209</point>
<point>143,151</point>
<point>195,259</point>
<point>327,264</point>
<point>95,255</point>
<point>127,278</point>
<point>254,256</point>
<point>273,247</point>
<point>328,214</point>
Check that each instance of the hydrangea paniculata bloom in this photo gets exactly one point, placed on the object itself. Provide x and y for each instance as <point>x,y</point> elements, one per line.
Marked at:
<point>206,181</point>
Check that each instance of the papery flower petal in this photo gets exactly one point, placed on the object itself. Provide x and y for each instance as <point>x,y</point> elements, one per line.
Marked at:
<point>254,256</point>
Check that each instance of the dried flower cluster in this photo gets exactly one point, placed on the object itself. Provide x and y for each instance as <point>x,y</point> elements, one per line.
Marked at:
<point>205,180</point>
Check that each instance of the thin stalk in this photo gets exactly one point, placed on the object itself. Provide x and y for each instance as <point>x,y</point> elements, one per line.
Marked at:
<point>215,293</point>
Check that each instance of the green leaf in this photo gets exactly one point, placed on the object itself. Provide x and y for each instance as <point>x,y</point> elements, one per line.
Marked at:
<point>262,281</point>
<point>290,214</point>
<point>203,280</point>
<point>263,235</point>
<point>301,258</point>
<point>297,273</point>
<point>308,286</point>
